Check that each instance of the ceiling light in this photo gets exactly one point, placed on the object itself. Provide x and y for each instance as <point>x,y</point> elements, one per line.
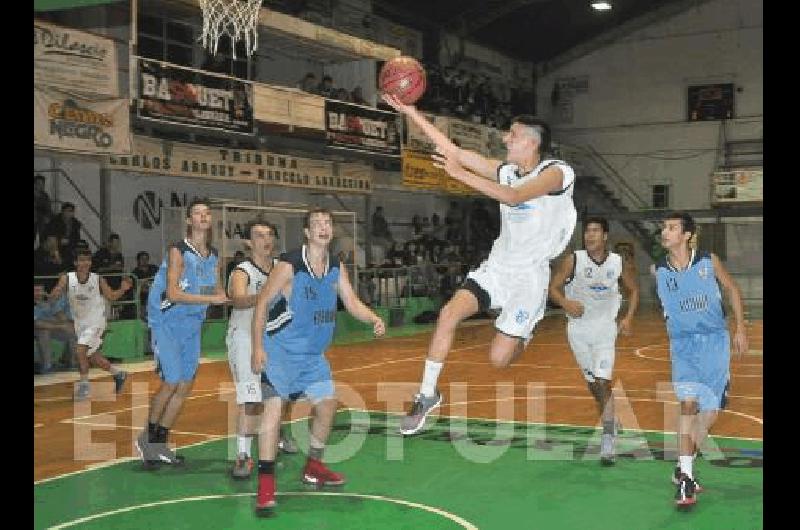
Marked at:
<point>601,6</point>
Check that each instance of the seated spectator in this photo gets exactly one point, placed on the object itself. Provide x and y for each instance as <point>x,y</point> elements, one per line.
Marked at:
<point>309,83</point>
<point>341,94</point>
<point>357,96</point>
<point>109,257</point>
<point>48,260</point>
<point>325,87</point>
<point>52,320</point>
<point>380,227</point>
<point>66,228</point>
<point>42,209</point>
<point>143,271</point>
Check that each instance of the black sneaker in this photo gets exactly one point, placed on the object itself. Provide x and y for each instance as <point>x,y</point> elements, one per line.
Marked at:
<point>685,495</point>
<point>119,381</point>
<point>676,475</point>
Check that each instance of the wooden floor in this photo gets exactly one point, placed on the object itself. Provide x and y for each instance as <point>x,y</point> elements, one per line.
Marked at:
<point>544,385</point>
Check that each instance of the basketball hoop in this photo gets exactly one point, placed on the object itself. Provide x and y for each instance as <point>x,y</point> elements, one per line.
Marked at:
<point>238,19</point>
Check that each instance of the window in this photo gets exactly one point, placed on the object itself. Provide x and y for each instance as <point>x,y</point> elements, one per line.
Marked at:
<point>661,196</point>
<point>166,40</point>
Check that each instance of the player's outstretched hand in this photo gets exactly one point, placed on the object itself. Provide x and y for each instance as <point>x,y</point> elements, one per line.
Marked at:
<point>573,308</point>
<point>740,346</point>
<point>396,104</point>
<point>257,360</point>
<point>379,328</point>
<point>449,162</point>
<point>625,326</point>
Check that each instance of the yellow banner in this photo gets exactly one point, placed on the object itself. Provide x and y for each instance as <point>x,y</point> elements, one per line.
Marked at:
<point>419,172</point>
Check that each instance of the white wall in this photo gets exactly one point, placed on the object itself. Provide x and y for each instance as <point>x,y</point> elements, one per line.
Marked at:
<point>634,112</point>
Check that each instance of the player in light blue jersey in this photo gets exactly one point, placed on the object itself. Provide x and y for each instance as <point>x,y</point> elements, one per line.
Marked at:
<point>688,283</point>
<point>301,293</point>
<point>185,284</point>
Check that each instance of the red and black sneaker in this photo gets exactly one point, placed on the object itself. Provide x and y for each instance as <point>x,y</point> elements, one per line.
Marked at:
<point>318,474</point>
<point>685,496</point>
<point>265,500</point>
<point>676,479</point>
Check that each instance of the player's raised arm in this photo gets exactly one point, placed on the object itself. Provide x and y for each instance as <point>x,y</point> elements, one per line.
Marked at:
<point>485,167</point>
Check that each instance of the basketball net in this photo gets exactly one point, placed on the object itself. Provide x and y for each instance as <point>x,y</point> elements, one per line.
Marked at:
<point>238,19</point>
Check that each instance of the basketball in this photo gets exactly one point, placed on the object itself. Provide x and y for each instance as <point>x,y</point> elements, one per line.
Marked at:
<point>404,78</point>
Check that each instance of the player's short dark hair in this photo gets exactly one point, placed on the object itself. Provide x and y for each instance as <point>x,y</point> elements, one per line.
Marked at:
<point>142,253</point>
<point>540,126</point>
<point>687,222</point>
<point>195,202</point>
<point>602,221</point>
<point>82,251</point>
<point>307,218</point>
<point>248,228</point>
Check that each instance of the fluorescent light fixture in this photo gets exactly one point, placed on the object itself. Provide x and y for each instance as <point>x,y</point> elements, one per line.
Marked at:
<point>601,6</point>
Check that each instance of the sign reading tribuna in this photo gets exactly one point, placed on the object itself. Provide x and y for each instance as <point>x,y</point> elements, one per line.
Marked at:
<point>150,155</point>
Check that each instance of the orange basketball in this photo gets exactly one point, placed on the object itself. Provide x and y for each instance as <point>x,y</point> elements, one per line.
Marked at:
<point>404,78</point>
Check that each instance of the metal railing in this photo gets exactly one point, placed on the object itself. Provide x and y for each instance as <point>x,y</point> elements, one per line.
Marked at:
<point>394,286</point>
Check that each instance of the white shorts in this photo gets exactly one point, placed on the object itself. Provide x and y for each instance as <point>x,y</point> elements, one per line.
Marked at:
<point>594,347</point>
<point>91,336</point>
<point>248,384</point>
<point>520,295</point>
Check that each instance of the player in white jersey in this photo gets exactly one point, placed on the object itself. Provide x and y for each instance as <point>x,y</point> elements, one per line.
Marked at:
<point>85,292</point>
<point>538,217</point>
<point>243,285</point>
<point>591,301</point>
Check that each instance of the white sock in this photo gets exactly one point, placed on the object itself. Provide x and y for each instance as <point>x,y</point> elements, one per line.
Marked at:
<point>429,377</point>
<point>686,465</point>
<point>244,444</point>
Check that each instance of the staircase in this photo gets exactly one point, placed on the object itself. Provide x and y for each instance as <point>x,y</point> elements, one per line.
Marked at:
<point>614,196</point>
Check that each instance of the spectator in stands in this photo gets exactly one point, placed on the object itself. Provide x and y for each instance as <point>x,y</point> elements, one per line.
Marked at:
<point>67,230</point>
<point>309,83</point>
<point>42,209</point>
<point>342,94</point>
<point>325,87</point>
<point>416,225</point>
<point>357,96</point>
<point>109,258</point>
<point>437,228</point>
<point>380,227</point>
<point>143,272</point>
<point>453,220</point>
<point>48,260</point>
<point>51,320</point>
